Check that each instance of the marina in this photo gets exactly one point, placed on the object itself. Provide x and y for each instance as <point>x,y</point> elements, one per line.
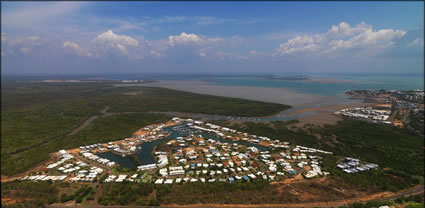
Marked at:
<point>147,157</point>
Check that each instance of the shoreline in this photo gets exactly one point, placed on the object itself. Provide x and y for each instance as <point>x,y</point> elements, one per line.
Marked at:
<point>265,94</point>
<point>305,107</point>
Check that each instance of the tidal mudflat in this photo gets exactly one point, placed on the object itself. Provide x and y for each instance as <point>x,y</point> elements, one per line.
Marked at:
<point>266,94</point>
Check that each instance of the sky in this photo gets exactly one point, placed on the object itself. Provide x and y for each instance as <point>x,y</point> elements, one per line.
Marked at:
<point>212,37</point>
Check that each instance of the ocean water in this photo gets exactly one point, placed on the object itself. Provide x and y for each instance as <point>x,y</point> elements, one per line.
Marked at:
<point>332,89</point>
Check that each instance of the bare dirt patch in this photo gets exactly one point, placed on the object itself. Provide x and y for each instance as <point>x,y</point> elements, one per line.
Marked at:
<point>134,93</point>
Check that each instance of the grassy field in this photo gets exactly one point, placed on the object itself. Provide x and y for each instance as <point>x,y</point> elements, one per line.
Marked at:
<point>37,117</point>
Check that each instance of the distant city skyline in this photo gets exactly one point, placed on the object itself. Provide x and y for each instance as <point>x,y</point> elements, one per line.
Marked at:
<point>212,37</point>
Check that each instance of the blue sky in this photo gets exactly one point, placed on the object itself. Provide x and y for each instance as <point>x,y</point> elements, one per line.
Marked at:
<point>254,37</point>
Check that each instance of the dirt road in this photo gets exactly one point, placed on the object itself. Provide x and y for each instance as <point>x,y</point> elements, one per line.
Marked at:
<point>382,196</point>
<point>88,121</point>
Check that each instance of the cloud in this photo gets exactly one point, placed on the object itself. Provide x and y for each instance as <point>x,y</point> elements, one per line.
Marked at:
<point>24,41</point>
<point>76,49</point>
<point>25,50</point>
<point>3,36</point>
<point>258,54</point>
<point>191,39</point>
<point>112,45</point>
<point>192,44</point>
<point>109,40</point>
<point>23,45</point>
<point>156,54</point>
<point>416,42</point>
<point>32,15</point>
<point>298,44</point>
<point>345,30</point>
<point>342,37</point>
<point>209,20</point>
<point>184,39</point>
<point>106,44</point>
<point>226,55</point>
<point>198,20</point>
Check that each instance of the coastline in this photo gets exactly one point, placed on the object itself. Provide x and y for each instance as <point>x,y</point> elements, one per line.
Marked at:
<point>306,107</point>
<point>264,94</point>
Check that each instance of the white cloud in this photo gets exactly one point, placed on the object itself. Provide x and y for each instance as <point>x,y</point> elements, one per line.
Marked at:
<point>102,45</point>
<point>298,44</point>
<point>184,39</point>
<point>209,20</point>
<point>190,39</point>
<point>110,40</point>
<point>199,20</point>
<point>28,41</point>
<point>23,45</point>
<point>35,14</point>
<point>200,45</point>
<point>226,55</point>
<point>76,49</point>
<point>345,30</point>
<point>3,37</point>
<point>25,50</point>
<point>416,42</point>
<point>156,54</point>
<point>342,37</point>
<point>381,40</point>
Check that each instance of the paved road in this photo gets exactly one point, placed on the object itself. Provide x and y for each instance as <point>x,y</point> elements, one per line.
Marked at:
<point>412,191</point>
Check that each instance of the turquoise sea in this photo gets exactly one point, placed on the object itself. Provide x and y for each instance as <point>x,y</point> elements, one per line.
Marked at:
<point>336,87</point>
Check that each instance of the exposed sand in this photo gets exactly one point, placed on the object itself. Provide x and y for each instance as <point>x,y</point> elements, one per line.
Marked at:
<point>333,81</point>
<point>265,94</point>
<point>325,115</point>
<point>306,107</point>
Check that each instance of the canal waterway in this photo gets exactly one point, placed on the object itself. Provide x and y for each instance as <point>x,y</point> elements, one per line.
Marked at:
<point>146,156</point>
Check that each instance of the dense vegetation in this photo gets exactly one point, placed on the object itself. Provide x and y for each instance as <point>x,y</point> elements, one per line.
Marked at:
<point>256,192</point>
<point>30,194</point>
<point>37,194</point>
<point>101,130</point>
<point>385,145</point>
<point>126,194</point>
<point>240,193</point>
<point>417,121</point>
<point>78,195</point>
<point>38,117</point>
<point>369,181</point>
<point>166,100</point>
